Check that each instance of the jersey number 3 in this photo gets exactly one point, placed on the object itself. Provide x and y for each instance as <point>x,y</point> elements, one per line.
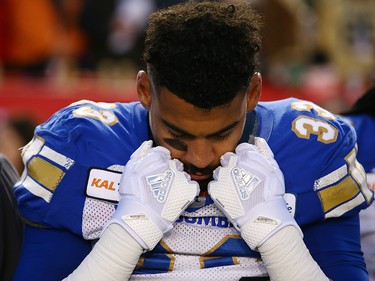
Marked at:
<point>304,126</point>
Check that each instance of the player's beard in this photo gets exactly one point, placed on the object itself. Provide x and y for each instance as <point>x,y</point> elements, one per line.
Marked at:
<point>190,169</point>
<point>204,184</point>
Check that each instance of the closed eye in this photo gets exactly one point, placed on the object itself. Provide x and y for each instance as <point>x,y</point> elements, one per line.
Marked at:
<point>217,137</point>
<point>222,137</point>
<point>179,136</point>
<point>176,142</point>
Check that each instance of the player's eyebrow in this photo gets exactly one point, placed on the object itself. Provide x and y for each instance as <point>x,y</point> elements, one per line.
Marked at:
<point>187,134</point>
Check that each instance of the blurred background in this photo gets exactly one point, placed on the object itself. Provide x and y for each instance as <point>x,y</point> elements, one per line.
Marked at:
<point>54,52</point>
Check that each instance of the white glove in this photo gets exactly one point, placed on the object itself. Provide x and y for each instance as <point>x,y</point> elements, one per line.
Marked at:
<point>248,189</point>
<point>154,192</point>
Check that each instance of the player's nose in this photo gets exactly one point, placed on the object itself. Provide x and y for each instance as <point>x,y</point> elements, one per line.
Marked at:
<point>200,153</point>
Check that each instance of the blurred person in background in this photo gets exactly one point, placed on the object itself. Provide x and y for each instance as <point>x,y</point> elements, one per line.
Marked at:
<point>115,32</point>
<point>15,133</point>
<point>11,225</point>
<point>362,117</point>
<point>29,32</point>
<point>36,34</point>
<point>321,82</point>
<point>127,28</point>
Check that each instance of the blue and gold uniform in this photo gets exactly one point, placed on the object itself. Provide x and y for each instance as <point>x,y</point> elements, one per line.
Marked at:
<point>364,124</point>
<point>69,190</point>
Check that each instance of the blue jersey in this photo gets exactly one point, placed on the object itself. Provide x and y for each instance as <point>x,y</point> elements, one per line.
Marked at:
<point>364,125</point>
<point>70,190</point>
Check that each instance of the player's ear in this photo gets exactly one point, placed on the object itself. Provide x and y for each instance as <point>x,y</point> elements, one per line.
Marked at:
<point>254,91</point>
<point>144,89</point>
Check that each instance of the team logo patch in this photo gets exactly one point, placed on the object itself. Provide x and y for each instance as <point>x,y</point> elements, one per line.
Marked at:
<point>103,184</point>
<point>159,184</point>
<point>245,182</point>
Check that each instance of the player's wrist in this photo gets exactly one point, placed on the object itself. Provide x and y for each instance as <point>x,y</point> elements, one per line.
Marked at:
<point>287,258</point>
<point>264,220</point>
<point>113,257</point>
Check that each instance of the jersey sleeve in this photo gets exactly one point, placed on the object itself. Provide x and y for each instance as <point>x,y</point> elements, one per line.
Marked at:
<point>325,184</point>
<point>72,168</point>
<point>316,151</point>
<point>335,246</point>
<point>49,254</point>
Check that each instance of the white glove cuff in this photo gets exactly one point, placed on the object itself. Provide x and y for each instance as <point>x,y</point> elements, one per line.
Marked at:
<point>265,220</point>
<point>140,223</point>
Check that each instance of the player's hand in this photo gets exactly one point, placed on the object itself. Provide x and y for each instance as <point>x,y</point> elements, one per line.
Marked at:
<point>154,192</point>
<point>248,189</point>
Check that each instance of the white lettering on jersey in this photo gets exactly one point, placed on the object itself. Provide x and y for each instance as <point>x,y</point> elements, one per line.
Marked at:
<point>103,184</point>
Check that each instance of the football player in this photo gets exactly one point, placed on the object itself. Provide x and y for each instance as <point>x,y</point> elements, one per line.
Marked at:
<point>198,180</point>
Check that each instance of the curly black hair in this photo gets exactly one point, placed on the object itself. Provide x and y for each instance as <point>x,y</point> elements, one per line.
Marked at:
<point>204,52</point>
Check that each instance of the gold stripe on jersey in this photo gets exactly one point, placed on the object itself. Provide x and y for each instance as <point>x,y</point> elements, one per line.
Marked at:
<point>140,263</point>
<point>45,173</point>
<point>344,208</point>
<point>165,246</point>
<point>338,194</point>
<point>343,189</point>
<point>172,261</point>
<point>221,242</point>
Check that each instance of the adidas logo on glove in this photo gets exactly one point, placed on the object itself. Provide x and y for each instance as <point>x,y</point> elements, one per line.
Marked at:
<point>159,184</point>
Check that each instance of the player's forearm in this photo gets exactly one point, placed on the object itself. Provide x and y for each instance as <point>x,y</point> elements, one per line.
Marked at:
<point>287,258</point>
<point>114,257</point>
